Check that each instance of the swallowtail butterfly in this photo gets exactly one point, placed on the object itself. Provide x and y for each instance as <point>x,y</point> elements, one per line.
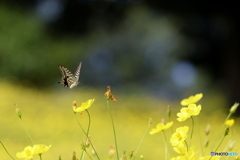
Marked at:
<point>68,79</point>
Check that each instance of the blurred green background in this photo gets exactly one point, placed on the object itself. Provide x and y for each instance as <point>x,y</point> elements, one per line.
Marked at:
<point>152,53</point>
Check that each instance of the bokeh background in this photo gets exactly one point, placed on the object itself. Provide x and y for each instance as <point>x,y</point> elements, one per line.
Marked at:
<point>152,53</point>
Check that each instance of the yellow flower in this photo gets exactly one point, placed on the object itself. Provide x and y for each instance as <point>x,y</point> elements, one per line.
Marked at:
<point>40,148</point>
<point>191,99</point>
<point>190,155</point>
<point>84,106</point>
<point>179,136</point>
<point>161,127</point>
<point>30,151</point>
<point>186,112</point>
<point>229,122</point>
<point>27,153</point>
<point>180,149</point>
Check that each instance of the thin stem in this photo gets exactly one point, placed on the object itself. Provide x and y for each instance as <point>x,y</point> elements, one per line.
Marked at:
<point>186,144</point>
<point>141,141</point>
<point>191,131</point>
<point>85,151</point>
<point>86,135</point>
<point>40,155</point>
<point>221,129</point>
<point>88,154</point>
<point>169,120</point>
<point>200,138</point>
<point>89,122</point>
<point>27,132</point>
<point>166,147</point>
<point>218,145</point>
<point>6,150</point>
<point>82,155</point>
<point>115,138</point>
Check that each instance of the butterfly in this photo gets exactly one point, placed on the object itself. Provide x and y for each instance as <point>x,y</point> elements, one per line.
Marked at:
<point>68,79</point>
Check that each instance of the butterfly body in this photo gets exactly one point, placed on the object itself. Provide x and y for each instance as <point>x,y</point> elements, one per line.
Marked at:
<point>68,79</point>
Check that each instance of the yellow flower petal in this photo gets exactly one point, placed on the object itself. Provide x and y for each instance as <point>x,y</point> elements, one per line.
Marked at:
<point>191,99</point>
<point>186,112</point>
<point>180,149</point>
<point>229,122</point>
<point>40,148</point>
<point>179,136</point>
<point>161,127</point>
<point>194,109</point>
<point>27,153</point>
<point>84,106</point>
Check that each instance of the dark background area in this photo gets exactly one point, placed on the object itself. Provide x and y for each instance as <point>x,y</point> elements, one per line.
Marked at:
<point>164,47</point>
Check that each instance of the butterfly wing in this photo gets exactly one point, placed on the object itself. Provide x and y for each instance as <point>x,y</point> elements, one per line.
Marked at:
<point>77,73</point>
<point>67,77</point>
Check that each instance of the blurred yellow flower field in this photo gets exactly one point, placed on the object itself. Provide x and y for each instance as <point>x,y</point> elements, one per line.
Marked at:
<point>49,118</point>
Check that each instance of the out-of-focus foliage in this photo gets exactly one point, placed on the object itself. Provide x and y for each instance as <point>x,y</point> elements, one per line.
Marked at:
<point>146,45</point>
<point>139,52</point>
<point>26,53</point>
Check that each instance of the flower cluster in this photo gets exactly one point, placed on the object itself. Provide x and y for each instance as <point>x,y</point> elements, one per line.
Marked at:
<point>180,140</point>
<point>192,109</point>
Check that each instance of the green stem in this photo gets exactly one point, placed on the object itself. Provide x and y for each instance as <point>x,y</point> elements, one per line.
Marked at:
<point>191,131</point>
<point>218,146</point>
<point>169,120</point>
<point>115,138</point>
<point>86,136</point>
<point>6,150</point>
<point>186,144</point>
<point>89,122</point>
<point>40,155</point>
<point>82,155</point>
<point>27,132</point>
<point>85,151</point>
<point>141,141</point>
<point>220,132</point>
<point>166,147</point>
<point>88,154</point>
<point>200,138</point>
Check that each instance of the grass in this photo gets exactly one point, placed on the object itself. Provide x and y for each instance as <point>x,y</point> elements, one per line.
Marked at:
<point>49,118</point>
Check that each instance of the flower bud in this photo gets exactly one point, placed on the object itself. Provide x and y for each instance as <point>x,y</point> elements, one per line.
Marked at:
<point>111,151</point>
<point>207,130</point>
<point>74,156</point>
<point>131,154</point>
<point>234,108</point>
<point>206,143</point>
<point>226,131</point>
<point>169,111</point>
<point>150,121</point>
<point>231,145</point>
